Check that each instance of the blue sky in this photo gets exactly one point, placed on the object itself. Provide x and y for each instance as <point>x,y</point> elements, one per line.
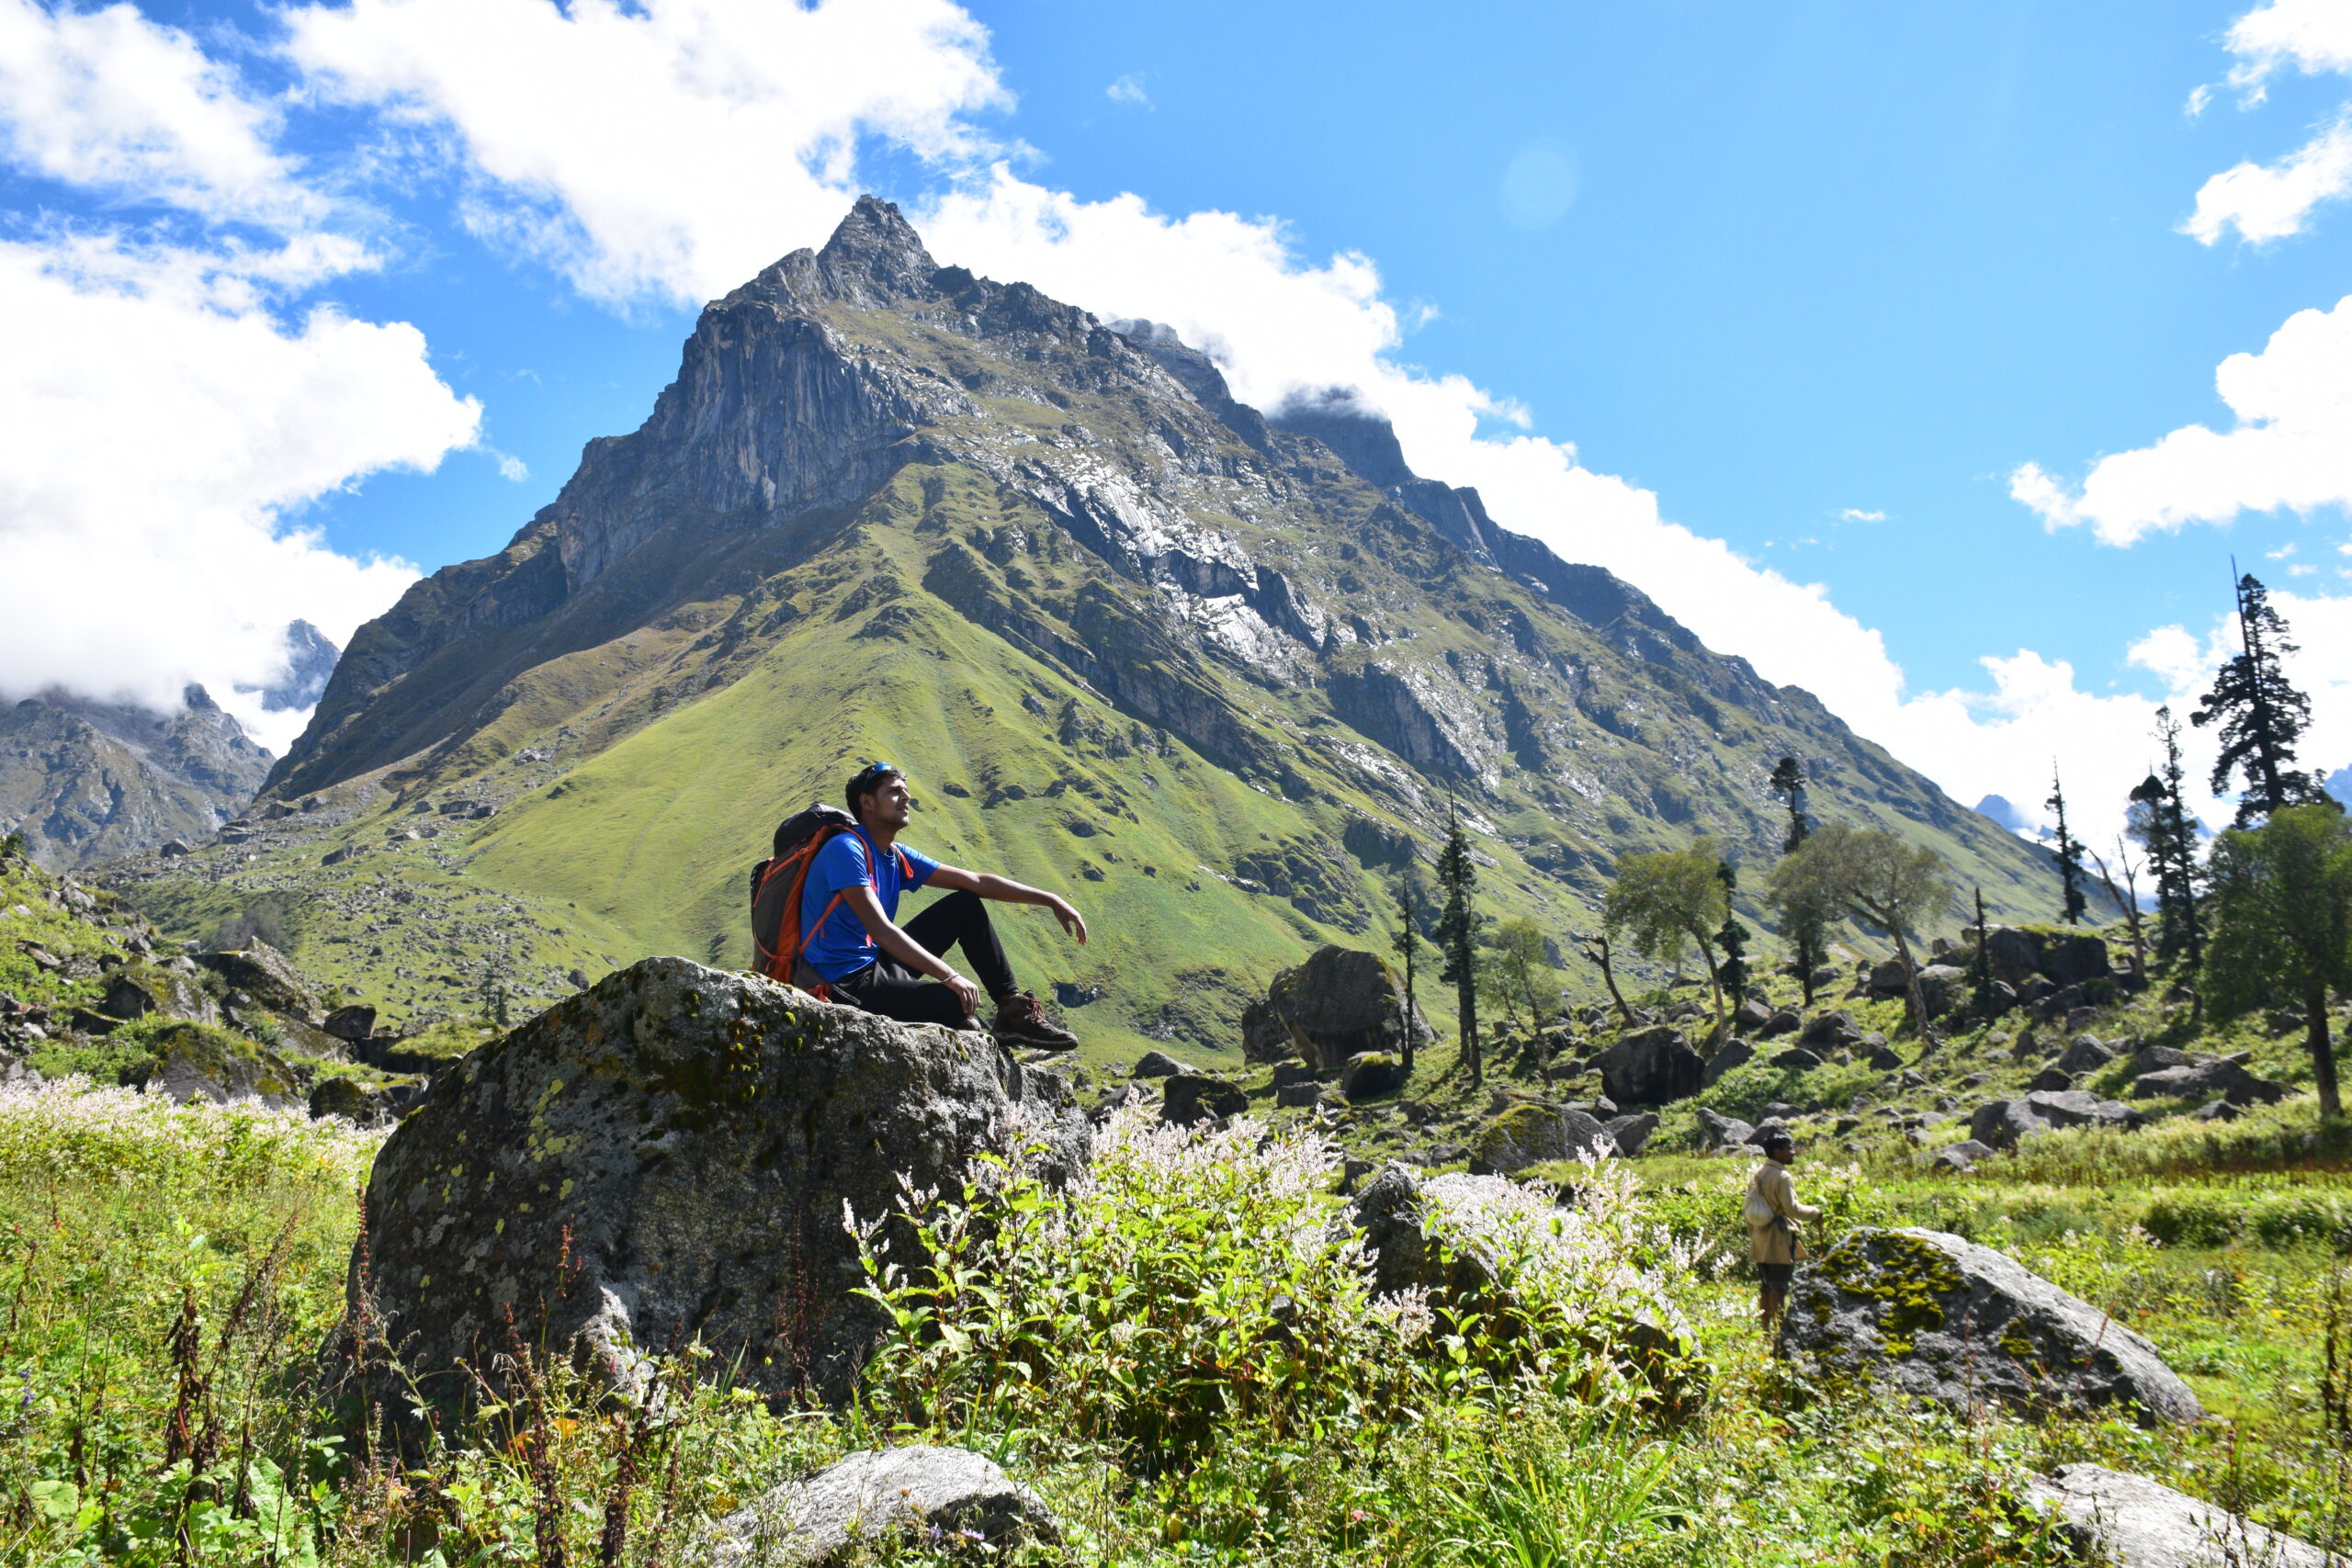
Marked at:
<point>1738,299</point>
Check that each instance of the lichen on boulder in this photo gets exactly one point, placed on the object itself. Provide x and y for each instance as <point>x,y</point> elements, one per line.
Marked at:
<point>669,1157</point>
<point>1942,1318</point>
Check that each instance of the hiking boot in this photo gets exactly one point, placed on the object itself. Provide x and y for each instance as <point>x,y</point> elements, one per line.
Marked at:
<point>1020,1021</point>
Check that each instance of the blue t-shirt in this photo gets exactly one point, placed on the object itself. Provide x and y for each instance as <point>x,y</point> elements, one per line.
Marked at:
<point>838,944</point>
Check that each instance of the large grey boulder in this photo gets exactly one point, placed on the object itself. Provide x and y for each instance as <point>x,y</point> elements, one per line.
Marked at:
<point>1630,1133</point>
<point>2085,1055</point>
<point>2003,1123</point>
<point>870,1498</point>
<point>2134,1522</point>
<point>1733,1053</point>
<point>262,973</point>
<point>1651,1066</point>
<point>2073,959</point>
<point>138,989</point>
<point>1532,1133</point>
<point>1945,1319</point>
<point>2015,956</point>
<point>668,1155</point>
<point>2081,1108</point>
<point>1942,986</point>
<point>2204,1080</point>
<point>1340,1002</point>
<point>1830,1031</point>
<point>1721,1134</point>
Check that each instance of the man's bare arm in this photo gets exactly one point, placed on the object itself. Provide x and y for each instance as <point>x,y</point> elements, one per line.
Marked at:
<point>1005,890</point>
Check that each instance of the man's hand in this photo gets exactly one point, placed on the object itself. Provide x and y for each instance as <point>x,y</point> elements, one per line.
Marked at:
<point>966,992</point>
<point>1070,919</point>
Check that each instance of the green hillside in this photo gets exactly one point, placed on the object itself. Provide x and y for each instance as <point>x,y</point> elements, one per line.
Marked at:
<point>1213,678</point>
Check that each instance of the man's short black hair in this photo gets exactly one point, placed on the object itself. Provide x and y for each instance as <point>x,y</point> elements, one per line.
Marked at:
<point>1779,1141</point>
<point>865,781</point>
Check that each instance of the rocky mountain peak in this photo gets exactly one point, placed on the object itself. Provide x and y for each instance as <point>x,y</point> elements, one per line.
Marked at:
<point>874,260</point>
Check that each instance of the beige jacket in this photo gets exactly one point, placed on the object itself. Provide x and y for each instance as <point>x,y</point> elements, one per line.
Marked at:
<point>1771,1243</point>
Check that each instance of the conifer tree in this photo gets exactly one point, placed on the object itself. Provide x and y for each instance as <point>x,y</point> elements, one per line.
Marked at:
<point>2261,716</point>
<point>1733,938</point>
<point>1980,976</point>
<point>1804,933</point>
<point>2069,850</point>
<point>2160,821</point>
<point>1407,947</point>
<point>2282,926</point>
<point>1457,936</point>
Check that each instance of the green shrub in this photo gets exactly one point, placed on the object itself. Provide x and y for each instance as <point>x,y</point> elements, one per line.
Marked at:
<point>2194,1217</point>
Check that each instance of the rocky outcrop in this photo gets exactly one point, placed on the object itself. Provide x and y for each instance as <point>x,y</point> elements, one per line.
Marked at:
<point>263,973</point>
<point>1942,1318</point>
<point>1651,1066</point>
<point>2133,1522</point>
<point>2226,1078</point>
<point>87,780</point>
<point>667,1156</point>
<point>1530,1135</point>
<point>1340,1002</point>
<point>869,1498</point>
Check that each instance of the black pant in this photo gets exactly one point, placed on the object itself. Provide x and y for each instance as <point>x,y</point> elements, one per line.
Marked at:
<point>891,988</point>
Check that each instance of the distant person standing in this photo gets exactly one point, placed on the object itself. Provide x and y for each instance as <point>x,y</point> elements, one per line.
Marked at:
<point>1773,1213</point>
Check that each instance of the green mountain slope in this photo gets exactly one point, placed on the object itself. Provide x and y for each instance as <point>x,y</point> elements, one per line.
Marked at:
<point>1213,677</point>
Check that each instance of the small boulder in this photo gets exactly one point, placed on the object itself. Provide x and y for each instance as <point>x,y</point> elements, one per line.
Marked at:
<point>2075,959</point>
<point>2133,1522</point>
<point>869,1498</point>
<point>1942,988</point>
<point>1785,1021</point>
<point>1340,1002</point>
<point>1796,1059</point>
<point>2085,1055</point>
<point>2217,1110</point>
<point>1161,1065</point>
<point>1651,1066</point>
<point>352,1024</point>
<point>1287,1074</point>
<point>1733,1053</point>
<point>1721,1134</point>
<point>1187,1098</point>
<point>2080,1108</point>
<point>1883,1057</point>
<point>1830,1031</point>
<point>262,973</point>
<point>1299,1096</point>
<point>1942,1318</point>
<point>2052,1079</point>
<point>2202,1080</point>
<point>2002,1123</point>
<point>174,847</point>
<point>1530,1135</point>
<point>1962,1156</point>
<point>362,1104</point>
<point>2015,956</point>
<point>1368,1074</point>
<point>1630,1133</point>
<point>2150,1059</point>
<point>1751,1014</point>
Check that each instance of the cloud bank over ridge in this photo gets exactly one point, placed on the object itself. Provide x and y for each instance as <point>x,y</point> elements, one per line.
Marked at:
<point>659,154</point>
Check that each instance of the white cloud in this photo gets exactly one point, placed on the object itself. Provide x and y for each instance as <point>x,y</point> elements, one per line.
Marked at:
<point>2291,448</point>
<point>1856,515</point>
<point>111,102</point>
<point>158,435</point>
<point>1129,89</point>
<point>2313,36</point>
<point>2271,201</point>
<point>670,149</point>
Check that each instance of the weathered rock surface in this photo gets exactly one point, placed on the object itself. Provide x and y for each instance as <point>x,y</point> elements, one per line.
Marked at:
<point>1159,1065</point>
<point>1733,1053</point>
<point>1368,1074</point>
<point>262,973</point>
<point>354,1101</point>
<point>1945,1319</point>
<point>2228,1078</point>
<point>868,1498</point>
<point>2134,1522</point>
<point>1530,1135</point>
<point>1630,1133</point>
<point>1340,1002</point>
<point>1719,1133</point>
<point>1187,1098</point>
<point>1651,1066</point>
<point>192,1063</point>
<point>681,1141</point>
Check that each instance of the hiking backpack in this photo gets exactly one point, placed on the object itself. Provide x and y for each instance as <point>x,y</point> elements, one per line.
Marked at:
<point>777,884</point>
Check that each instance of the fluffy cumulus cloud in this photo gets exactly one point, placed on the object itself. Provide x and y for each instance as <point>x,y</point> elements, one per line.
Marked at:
<point>670,149</point>
<point>157,433</point>
<point>108,101</point>
<point>2270,201</point>
<point>2290,448</point>
<point>167,408</point>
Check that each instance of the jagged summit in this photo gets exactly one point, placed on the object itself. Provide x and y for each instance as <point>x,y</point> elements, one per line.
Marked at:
<point>1155,641</point>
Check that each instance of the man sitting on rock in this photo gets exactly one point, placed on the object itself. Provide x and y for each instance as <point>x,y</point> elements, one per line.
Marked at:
<point>1773,1213</point>
<point>850,934</point>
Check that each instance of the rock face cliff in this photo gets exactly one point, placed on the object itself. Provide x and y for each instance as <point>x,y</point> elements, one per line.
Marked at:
<point>1213,672</point>
<point>86,781</point>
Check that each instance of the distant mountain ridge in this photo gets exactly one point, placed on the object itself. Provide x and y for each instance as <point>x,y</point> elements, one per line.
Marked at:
<point>1213,671</point>
<point>86,781</point>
